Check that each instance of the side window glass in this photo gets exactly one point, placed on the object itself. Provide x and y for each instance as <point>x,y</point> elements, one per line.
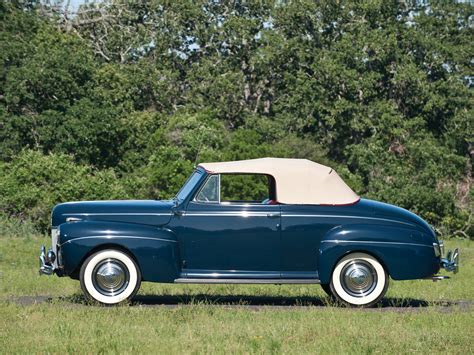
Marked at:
<point>210,191</point>
<point>245,188</point>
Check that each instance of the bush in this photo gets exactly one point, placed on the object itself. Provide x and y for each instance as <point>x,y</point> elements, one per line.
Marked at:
<point>33,183</point>
<point>419,175</point>
<point>15,227</point>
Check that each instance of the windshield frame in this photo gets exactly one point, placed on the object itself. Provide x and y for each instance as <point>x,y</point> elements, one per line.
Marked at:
<point>189,186</point>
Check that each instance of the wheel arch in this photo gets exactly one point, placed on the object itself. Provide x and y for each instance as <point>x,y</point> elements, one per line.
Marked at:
<point>373,254</point>
<point>154,250</point>
<point>75,273</point>
<point>402,256</point>
<point>325,272</point>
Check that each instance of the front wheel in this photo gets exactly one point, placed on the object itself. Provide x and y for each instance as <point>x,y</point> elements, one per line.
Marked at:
<point>110,277</point>
<point>359,280</point>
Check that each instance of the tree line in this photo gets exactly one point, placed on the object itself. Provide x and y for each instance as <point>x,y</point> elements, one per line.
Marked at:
<point>121,99</point>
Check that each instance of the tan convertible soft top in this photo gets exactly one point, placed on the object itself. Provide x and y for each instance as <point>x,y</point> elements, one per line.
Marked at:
<point>298,181</point>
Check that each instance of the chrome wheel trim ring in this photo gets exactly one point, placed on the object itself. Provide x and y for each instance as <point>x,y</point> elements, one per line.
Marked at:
<point>110,277</point>
<point>358,278</point>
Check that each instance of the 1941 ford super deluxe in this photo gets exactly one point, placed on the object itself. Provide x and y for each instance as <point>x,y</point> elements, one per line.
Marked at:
<point>268,221</point>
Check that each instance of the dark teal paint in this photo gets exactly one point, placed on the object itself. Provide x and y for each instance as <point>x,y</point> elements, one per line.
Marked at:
<point>216,238</point>
<point>155,249</point>
<point>182,238</point>
<point>146,212</point>
<point>403,250</point>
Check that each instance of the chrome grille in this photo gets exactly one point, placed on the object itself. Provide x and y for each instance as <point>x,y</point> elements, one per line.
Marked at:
<point>54,243</point>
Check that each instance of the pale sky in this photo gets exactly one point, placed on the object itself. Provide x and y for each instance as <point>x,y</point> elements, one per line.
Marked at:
<point>74,4</point>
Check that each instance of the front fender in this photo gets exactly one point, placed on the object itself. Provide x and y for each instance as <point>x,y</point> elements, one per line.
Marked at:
<point>154,249</point>
<point>405,252</point>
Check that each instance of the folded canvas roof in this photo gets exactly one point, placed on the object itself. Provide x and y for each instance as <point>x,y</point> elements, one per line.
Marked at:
<point>298,181</point>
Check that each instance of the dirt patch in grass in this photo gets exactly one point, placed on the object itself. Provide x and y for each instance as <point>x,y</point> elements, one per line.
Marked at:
<point>253,303</point>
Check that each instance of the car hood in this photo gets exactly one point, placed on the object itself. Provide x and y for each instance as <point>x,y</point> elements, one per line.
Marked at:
<point>150,212</point>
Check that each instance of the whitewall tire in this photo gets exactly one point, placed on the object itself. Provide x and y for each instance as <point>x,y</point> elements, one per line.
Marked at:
<point>359,280</point>
<point>110,276</point>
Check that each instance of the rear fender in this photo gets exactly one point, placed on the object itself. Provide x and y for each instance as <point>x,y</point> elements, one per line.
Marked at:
<point>154,249</point>
<point>405,252</point>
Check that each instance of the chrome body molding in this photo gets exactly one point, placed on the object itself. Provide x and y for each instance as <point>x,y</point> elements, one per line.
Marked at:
<point>227,214</point>
<point>245,281</point>
<point>373,242</point>
<point>116,214</point>
<point>346,217</point>
<point>110,237</point>
<point>264,214</point>
<point>232,274</point>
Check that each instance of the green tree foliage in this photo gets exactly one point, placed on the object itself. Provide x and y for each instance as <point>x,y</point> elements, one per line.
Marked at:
<point>137,93</point>
<point>33,182</point>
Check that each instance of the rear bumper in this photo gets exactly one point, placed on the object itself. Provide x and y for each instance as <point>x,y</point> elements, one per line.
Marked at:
<point>450,262</point>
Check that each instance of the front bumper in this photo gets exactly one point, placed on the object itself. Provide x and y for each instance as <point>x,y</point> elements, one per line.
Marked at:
<point>46,261</point>
<point>50,262</point>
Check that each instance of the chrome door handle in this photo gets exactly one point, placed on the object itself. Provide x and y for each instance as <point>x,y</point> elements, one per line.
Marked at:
<point>273,215</point>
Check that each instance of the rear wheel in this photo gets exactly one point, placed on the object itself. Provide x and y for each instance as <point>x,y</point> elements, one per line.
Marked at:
<point>110,277</point>
<point>359,280</point>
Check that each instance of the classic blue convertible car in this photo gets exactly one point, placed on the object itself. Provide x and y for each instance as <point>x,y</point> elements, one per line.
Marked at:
<point>263,221</point>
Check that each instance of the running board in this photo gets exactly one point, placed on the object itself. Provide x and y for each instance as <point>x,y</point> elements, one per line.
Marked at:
<point>246,281</point>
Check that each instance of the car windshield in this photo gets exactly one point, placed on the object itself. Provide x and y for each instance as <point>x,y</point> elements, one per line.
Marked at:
<point>189,185</point>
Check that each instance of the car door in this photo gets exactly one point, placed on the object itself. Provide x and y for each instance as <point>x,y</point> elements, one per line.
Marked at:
<point>229,239</point>
<point>302,229</point>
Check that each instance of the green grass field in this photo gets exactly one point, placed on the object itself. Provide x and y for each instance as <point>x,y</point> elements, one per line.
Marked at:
<point>415,317</point>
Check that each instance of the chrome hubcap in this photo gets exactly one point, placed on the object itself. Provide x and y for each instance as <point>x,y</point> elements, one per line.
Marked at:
<point>110,277</point>
<point>358,278</point>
